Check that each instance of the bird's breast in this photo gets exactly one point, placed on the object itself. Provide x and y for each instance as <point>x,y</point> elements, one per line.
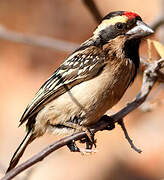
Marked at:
<point>105,90</point>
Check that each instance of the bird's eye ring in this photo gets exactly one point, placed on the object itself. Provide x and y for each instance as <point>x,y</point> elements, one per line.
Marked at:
<point>119,26</point>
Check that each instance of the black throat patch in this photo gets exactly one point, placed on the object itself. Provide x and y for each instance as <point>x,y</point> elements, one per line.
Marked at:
<point>131,50</point>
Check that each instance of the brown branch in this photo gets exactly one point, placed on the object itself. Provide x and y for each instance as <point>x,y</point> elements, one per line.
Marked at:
<point>149,79</point>
<point>159,20</point>
<point>90,4</point>
<point>36,40</point>
<point>44,41</point>
<point>121,123</point>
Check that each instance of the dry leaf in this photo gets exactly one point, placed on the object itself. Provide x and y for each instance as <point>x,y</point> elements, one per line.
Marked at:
<point>159,48</point>
<point>149,42</point>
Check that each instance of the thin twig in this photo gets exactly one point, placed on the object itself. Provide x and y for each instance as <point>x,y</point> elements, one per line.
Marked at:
<point>36,40</point>
<point>121,123</point>
<point>149,79</point>
<point>159,20</point>
<point>90,4</point>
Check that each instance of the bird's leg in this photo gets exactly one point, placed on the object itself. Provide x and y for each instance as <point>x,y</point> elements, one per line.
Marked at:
<point>90,136</point>
<point>72,147</point>
<point>89,144</point>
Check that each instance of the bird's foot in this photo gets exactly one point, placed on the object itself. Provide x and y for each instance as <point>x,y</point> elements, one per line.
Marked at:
<point>73,148</point>
<point>89,140</point>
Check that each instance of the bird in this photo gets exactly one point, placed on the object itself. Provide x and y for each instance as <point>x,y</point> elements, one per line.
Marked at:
<point>89,82</point>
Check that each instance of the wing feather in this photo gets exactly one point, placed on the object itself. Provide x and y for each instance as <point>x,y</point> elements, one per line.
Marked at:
<point>78,67</point>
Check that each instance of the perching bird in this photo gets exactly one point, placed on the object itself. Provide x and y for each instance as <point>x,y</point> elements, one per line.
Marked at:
<point>89,82</point>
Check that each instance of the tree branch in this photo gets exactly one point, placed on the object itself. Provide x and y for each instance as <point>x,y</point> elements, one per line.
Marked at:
<point>90,4</point>
<point>149,78</point>
<point>121,123</point>
<point>36,40</point>
<point>159,20</point>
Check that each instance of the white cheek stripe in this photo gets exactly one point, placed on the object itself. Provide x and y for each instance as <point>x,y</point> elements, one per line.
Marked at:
<point>107,22</point>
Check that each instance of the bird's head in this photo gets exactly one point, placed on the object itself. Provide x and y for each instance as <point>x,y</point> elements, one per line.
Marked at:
<point>121,23</point>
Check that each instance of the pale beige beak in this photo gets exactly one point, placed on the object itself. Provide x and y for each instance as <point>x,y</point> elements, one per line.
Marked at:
<point>140,30</point>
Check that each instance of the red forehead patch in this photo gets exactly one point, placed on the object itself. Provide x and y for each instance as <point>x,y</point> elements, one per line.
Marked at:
<point>131,15</point>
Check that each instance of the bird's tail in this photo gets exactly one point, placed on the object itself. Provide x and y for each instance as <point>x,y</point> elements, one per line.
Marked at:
<point>20,150</point>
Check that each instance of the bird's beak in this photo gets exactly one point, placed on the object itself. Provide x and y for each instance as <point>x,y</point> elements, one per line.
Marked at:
<point>139,31</point>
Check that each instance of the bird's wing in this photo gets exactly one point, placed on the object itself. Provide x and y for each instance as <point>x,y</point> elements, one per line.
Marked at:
<point>78,67</point>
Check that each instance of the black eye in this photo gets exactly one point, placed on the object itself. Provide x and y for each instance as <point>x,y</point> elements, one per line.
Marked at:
<point>119,26</point>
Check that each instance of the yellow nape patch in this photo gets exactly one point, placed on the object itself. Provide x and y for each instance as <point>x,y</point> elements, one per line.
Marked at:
<point>107,22</point>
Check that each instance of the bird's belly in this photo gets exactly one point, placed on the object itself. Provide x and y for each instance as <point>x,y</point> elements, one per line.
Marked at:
<point>87,101</point>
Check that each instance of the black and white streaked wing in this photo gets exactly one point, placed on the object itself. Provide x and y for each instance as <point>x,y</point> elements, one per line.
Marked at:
<point>78,67</point>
